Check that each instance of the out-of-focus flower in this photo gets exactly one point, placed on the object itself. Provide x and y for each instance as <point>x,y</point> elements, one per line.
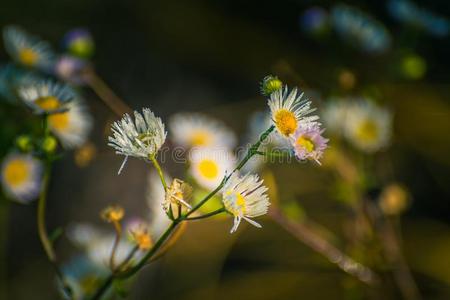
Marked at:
<point>158,220</point>
<point>85,154</point>
<point>99,251</point>
<point>46,96</point>
<point>112,213</point>
<point>11,78</point>
<point>334,114</point>
<point>308,142</point>
<point>24,143</point>
<point>270,84</point>
<point>245,198</point>
<point>409,13</point>
<point>72,126</point>
<point>141,237</point>
<point>178,193</point>
<point>393,200</point>
<point>413,66</point>
<point>198,130</point>
<point>314,21</point>
<point>49,144</point>
<point>360,29</point>
<point>70,68</point>
<point>98,244</point>
<point>21,176</point>
<point>141,138</point>
<point>79,42</point>
<point>208,166</point>
<point>368,127</point>
<point>26,49</point>
<point>288,110</point>
<point>83,277</point>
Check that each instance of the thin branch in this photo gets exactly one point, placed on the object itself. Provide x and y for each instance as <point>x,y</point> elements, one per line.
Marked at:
<point>318,243</point>
<point>111,100</point>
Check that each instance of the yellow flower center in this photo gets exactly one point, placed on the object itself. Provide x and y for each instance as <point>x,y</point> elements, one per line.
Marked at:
<point>285,121</point>
<point>200,138</point>
<point>28,56</point>
<point>48,103</point>
<point>16,172</point>
<point>367,131</point>
<point>208,168</point>
<point>239,207</point>
<point>59,121</point>
<point>305,143</point>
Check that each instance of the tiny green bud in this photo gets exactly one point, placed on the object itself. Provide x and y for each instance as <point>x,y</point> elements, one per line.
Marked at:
<point>270,84</point>
<point>49,144</point>
<point>24,143</point>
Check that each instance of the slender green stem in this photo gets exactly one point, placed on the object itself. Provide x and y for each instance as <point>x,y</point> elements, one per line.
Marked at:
<point>133,270</point>
<point>160,172</point>
<point>216,212</point>
<point>43,235</point>
<point>126,274</point>
<point>253,150</point>
<point>118,230</point>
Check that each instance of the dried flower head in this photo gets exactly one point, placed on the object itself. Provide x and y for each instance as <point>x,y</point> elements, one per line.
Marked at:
<point>141,138</point>
<point>177,194</point>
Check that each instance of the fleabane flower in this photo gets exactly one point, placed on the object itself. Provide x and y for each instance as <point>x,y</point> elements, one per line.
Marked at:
<point>368,127</point>
<point>198,130</point>
<point>208,166</point>
<point>26,49</point>
<point>288,110</point>
<point>21,177</point>
<point>178,193</point>
<point>308,142</point>
<point>141,138</point>
<point>46,96</point>
<point>72,126</point>
<point>245,197</point>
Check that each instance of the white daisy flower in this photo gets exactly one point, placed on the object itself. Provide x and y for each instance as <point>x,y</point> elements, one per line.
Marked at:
<point>368,127</point>
<point>46,96</point>
<point>72,127</point>
<point>245,198</point>
<point>21,177</point>
<point>208,166</point>
<point>141,138</point>
<point>26,49</point>
<point>288,110</point>
<point>198,130</point>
